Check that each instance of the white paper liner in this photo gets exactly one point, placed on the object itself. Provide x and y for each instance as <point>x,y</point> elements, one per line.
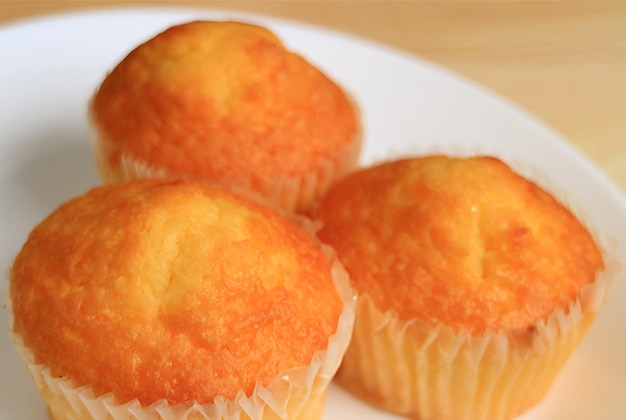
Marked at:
<point>425,372</point>
<point>294,194</point>
<point>296,393</point>
<point>432,372</point>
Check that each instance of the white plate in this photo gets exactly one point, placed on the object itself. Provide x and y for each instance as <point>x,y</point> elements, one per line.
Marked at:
<point>50,67</point>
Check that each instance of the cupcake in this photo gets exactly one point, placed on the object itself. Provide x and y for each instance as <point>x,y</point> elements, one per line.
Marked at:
<point>174,300</point>
<point>228,103</point>
<point>475,285</point>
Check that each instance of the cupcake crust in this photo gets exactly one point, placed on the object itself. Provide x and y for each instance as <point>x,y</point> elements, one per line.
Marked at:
<point>466,243</point>
<point>224,101</point>
<point>163,289</point>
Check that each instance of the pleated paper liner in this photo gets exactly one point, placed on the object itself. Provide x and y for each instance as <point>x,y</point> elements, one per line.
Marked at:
<point>418,370</point>
<point>296,393</point>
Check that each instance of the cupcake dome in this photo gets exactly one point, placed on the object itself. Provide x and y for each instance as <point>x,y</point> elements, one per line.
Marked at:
<point>175,293</point>
<point>475,285</point>
<point>225,102</point>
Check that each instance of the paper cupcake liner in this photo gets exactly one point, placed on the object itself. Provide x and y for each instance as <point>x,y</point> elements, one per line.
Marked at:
<point>432,372</point>
<point>296,393</point>
<point>291,193</point>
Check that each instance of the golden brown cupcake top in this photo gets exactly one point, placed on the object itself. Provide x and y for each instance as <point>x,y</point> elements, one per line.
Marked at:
<point>161,289</point>
<point>221,100</point>
<point>464,242</point>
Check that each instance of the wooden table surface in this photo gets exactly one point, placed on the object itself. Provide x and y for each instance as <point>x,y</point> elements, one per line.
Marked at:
<point>563,61</point>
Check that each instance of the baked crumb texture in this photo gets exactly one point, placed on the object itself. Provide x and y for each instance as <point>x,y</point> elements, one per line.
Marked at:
<point>475,285</point>
<point>175,295</point>
<point>225,102</point>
